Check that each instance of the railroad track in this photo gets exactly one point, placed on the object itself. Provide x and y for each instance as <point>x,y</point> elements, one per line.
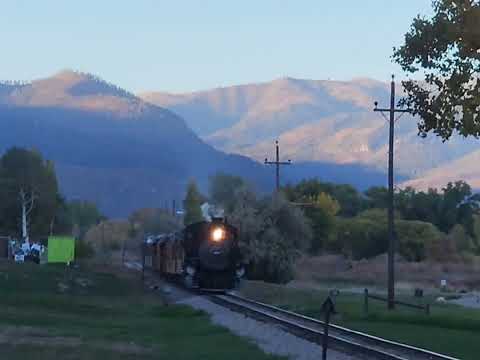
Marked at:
<point>340,338</point>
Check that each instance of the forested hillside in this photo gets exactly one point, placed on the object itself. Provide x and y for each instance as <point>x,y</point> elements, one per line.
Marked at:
<point>109,146</point>
<point>321,122</point>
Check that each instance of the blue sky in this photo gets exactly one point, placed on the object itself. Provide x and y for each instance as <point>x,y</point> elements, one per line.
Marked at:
<point>182,46</point>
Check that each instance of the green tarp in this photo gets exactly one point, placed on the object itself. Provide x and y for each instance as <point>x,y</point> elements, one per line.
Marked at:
<point>61,249</point>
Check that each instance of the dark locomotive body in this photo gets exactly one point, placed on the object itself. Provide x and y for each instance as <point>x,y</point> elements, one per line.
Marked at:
<point>204,255</point>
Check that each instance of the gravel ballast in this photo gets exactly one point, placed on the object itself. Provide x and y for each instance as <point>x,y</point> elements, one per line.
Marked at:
<point>269,337</point>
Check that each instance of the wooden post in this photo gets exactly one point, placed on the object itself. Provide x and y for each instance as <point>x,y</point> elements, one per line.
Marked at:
<point>427,309</point>
<point>277,164</point>
<point>391,219</point>
<point>365,304</point>
<point>123,250</point>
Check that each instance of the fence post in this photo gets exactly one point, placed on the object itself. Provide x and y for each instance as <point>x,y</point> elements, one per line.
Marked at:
<point>143,262</point>
<point>427,309</point>
<point>365,304</point>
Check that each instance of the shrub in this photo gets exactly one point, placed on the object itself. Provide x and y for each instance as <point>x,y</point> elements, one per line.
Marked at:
<point>366,236</point>
<point>415,237</point>
<point>359,238</point>
<point>83,249</point>
<point>322,217</point>
<point>271,234</point>
<point>462,240</point>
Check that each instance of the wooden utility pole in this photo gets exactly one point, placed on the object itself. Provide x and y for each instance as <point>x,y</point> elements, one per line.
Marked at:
<point>277,164</point>
<point>391,221</point>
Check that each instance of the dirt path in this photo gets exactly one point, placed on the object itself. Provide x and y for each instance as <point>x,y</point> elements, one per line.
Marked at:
<point>27,335</point>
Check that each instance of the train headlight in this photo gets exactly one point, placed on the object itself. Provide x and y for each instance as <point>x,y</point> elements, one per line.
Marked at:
<point>218,234</point>
<point>240,272</point>
<point>190,270</point>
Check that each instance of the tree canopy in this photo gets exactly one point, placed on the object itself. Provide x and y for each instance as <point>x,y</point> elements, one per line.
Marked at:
<point>350,200</point>
<point>154,221</point>
<point>29,195</point>
<point>83,214</point>
<point>445,50</point>
<point>191,205</point>
<point>455,204</point>
<point>223,189</point>
<point>271,231</point>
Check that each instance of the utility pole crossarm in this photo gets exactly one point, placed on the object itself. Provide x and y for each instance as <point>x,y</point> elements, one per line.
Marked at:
<point>395,110</point>
<point>289,162</point>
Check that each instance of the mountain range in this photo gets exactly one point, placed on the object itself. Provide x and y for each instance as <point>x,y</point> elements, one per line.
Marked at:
<point>108,145</point>
<point>125,151</point>
<point>322,121</point>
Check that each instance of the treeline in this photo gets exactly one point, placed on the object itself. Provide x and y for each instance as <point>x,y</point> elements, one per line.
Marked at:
<point>14,83</point>
<point>31,206</point>
<point>435,224</point>
<point>317,217</point>
<point>310,217</point>
<point>96,83</point>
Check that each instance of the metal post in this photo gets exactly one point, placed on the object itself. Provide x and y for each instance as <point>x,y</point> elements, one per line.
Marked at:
<point>325,335</point>
<point>365,305</point>
<point>391,206</point>
<point>143,261</point>
<point>124,247</point>
<point>328,307</point>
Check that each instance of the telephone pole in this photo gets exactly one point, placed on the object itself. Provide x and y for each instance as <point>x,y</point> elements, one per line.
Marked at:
<point>277,164</point>
<point>391,221</point>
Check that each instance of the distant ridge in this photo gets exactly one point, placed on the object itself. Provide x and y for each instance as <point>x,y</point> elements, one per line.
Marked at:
<point>318,121</point>
<point>110,146</point>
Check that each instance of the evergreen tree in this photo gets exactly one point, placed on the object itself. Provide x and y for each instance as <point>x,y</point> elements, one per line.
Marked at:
<point>191,205</point>
<point>83,215</point>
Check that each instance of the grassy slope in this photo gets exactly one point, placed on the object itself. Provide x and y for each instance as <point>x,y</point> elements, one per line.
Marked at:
<point>108,317</point>
<point>449,329</point>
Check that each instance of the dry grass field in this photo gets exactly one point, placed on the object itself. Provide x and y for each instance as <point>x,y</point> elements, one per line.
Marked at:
<point>334,268</point>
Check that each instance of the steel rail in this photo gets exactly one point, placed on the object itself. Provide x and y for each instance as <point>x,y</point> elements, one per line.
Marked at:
<point>341,338</point>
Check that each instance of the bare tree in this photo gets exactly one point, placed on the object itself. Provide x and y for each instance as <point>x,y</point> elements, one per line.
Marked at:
<point>27,202</point>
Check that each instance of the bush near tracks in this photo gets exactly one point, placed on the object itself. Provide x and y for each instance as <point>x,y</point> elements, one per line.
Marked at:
<point>46,313</point>
<point>423,218</point>
<point>271,231</point>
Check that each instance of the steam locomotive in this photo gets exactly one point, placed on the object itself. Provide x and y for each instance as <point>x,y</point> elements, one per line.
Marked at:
<point>205,255</point>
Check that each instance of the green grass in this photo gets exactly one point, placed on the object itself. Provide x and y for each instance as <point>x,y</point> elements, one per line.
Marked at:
<point>109,318</point>
<point>449,329</point>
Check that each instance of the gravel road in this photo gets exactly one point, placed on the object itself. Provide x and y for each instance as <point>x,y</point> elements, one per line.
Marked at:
<point>471,300</point>
<point>269,337</point>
